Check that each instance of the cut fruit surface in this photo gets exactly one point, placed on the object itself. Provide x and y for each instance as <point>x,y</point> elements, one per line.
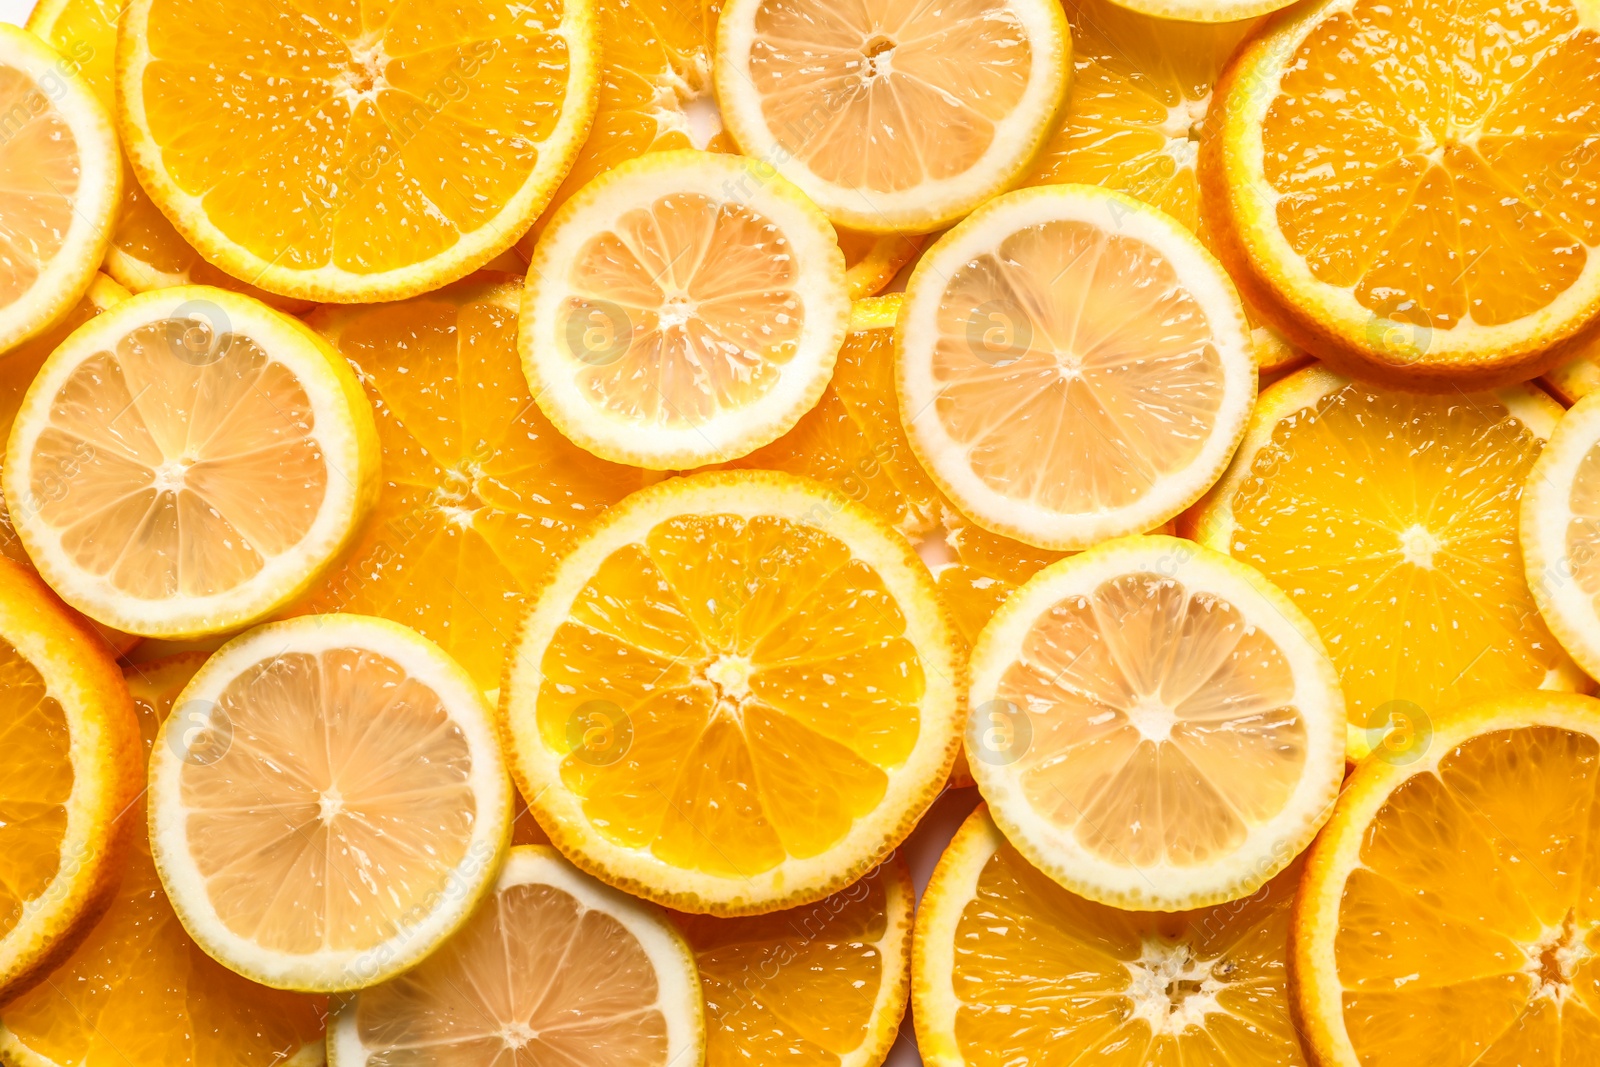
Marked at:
<point>872,260</point>
<point>1412,194</point>
<point>188,461</point>
<point>138,992</point>
<point>824,985</point>
<point>480,493</point>
<point>1141,88</point>
<point>1072,365</point>
<point>1560,533</point>
<point>69,765</point>
<point>893,118</point>
<point>1007,963</point>
<point>736,694</point>
<point>1453,902</point>
<point>1155,725</point>
<point>331,806</point>
<point>685,309</point>
<point>1390,519</point>
<point>59,185</point>
<point>433,135</point>
<point>1579,376</point>
<point>554,968</point>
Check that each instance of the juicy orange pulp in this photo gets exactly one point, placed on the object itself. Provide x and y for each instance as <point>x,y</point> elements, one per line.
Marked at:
<point>35,784</point>
<point>39,178</point>
<point>1471,926</point>
<point>138,991</point>
<point>480,492</point>
<point>734,648</point>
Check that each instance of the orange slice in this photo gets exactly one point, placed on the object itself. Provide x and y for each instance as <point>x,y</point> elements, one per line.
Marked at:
<point>1390,519</point>
<point>1404,199</point>
<point>554,968</point>
<point>1007,964</point>
<point>355,156</point>
<point>686,309</point>
<point>1451,909</point>
<point>69,765</point>
<point>137,992</point>
<point>1560,530</point>
<point>189,461</point>
<point>894,118</point>
<point>60,182</point>
<point>737,694</point>
<point>480,493</point>
<point>334,807</point>
<point>1072,365</point>
<point>823,985</point>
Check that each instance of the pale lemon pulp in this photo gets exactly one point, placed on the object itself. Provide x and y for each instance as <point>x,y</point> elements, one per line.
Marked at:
<point>39,178</point>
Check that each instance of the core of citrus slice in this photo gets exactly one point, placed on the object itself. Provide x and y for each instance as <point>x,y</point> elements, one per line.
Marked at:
<point>1072,366</point>
<point>1390,519</point>
<point>737,694</point>
<point>822,985</point>
<point>1141,88</point>
<point>138,992</point>
<point>1579,376</point>
<point>894,118</point>
<point>1155,725</point>
<point>354,156</point>
<point>329,802</point>
<point>59,185</point>
<point>1452,906</point>
<point>685,308</point>
<point>480,492</point>
<point>1411,194</point>
<point>1007,964</point>
<point>1560,533</point>
<point>69,765</point>
<point>188,461</point>
<point>553,968</point>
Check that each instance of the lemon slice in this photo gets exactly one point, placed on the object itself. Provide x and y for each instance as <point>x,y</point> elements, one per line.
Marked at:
<point>838,991</point>
<point>872,260</point>
<point>1450,911</point>
<point>1577,377</point>
<point>1560,533</point>
<point>1072,366</point>
<point>189,461</point>
<point>137,992</point>
<point>354,157</point>
<point>61,183</point>
<point>330,803</point>
<point>69,766</point>
<point>894,118</point>
<point>1007,963</point>
<point>1154,725</point>
<point>553,968</point>
<point>736,694</point>
<point>1409,205</point>
<point>684,309</point>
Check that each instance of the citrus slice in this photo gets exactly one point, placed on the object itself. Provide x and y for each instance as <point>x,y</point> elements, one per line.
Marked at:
<point>480,493</point>
<point>1007,964</point>
<point>69,765</point>
<point>894,118</point>
<point>872,260</point>
<point>1072,365</point>
<point>771,660</point>
<point>1155,725</point>
<point>684,309</point>
<point>137,992</point>
<point>1579,376</point>
<point>1560,531</point>
<point>1453,903</point>
<point>1390,519</point>
<point>189,461</point>
<point>1141,88</point>
<point>1405,199</point>
<point>354,157</point>
<point>821,985</point>
<point>331,805</point>
<point>61,183</point>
